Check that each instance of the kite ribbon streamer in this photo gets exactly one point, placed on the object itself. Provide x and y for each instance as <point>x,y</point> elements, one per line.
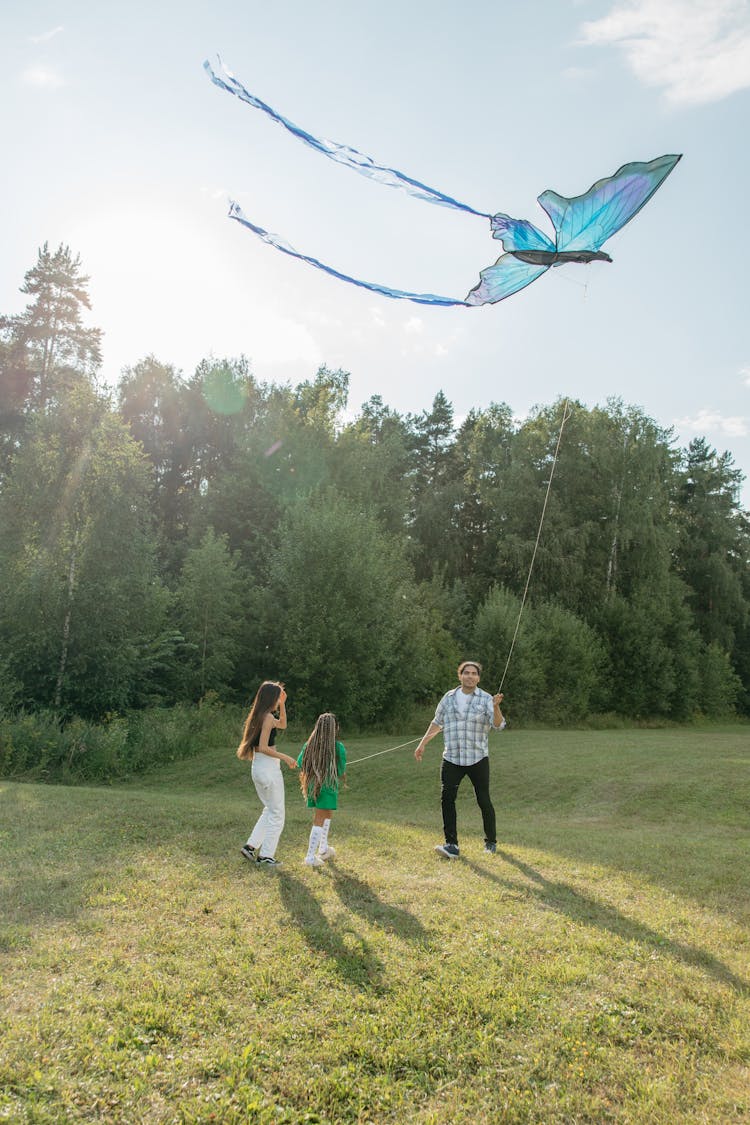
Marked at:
<point>342,154</point>
<point>235,212</point>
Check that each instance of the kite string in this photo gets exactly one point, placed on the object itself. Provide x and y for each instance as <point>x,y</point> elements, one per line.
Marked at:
<point>565,417</point>
<point>379,752</point>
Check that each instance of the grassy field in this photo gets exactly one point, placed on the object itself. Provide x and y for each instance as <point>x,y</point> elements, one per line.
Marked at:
<point>596,969</point>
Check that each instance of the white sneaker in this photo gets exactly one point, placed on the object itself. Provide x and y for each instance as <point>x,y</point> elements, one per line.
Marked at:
<point>314,862</point>
<point>329,853</point>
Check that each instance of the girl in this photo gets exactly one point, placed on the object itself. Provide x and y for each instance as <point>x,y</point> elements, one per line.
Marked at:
<point>322,765</point>
<point>257,745</point>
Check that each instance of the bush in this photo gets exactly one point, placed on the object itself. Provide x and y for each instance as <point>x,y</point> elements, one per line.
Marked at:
<point>358,638</point>
<point>10,687</point>
<point>558,662</point>
<point>37,746</point>
<point>720,686</point>
<point>654,654</point>
<point>27,741</point>
<point>493,635</point>
<point>570,664</point>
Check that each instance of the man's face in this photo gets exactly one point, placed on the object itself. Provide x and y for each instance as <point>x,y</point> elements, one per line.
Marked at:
<point>469,677</point>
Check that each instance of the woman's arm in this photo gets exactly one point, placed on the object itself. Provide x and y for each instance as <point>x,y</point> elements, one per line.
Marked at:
<point>268,724</point>
<point>280,723</point>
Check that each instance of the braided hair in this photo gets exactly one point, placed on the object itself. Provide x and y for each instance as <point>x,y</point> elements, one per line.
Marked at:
<point>319,766</point>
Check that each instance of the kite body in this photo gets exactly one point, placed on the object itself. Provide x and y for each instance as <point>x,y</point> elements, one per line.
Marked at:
<point>555,258</point>
<point>582,223</point>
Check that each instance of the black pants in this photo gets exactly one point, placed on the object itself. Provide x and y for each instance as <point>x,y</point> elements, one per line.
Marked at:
<point>451,777</point>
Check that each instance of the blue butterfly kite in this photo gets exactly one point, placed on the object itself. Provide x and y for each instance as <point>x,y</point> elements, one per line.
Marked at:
<point>582,223</point>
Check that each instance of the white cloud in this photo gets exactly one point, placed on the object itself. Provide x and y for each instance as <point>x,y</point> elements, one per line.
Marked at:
<point>712,422</point>
<point>698,51</point>
<point>42,77</point>
<point>745,375</point>
<point>46,35</point>
<point>414,325</point>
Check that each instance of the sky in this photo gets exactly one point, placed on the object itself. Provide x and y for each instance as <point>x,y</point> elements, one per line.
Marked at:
<point>118,145</point>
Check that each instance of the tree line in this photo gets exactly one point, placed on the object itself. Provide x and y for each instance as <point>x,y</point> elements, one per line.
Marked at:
<point>178,538</point>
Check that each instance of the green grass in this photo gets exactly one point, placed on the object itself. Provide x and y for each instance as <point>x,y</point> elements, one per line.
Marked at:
<point>597,969</point>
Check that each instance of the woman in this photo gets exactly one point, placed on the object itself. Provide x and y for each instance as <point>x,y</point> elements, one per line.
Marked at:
<point>257,745</point>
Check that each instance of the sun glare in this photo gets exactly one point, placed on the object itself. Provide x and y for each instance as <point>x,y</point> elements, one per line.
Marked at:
<point>184,296</point>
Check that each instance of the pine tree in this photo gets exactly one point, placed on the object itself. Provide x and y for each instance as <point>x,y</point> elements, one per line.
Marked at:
<point>48,341</point>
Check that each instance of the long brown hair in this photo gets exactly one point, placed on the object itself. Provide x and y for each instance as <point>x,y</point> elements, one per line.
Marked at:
<point>319,766</point>
<point>266,700</point>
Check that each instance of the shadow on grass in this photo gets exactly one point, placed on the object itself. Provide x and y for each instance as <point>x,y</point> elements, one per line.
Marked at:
<point>359,897</point>
<point>587,911</point>
<point>352,959</point>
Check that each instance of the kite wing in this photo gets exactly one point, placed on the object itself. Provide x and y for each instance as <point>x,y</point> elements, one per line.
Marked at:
<point>342,154</point>
<point>583,223</point>
<point>509,273</point>
<point>507,276</point>
<point>518,234</point>
<point>235,212</point>
<point>586,221</point>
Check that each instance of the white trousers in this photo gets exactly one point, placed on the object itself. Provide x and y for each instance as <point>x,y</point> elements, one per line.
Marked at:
<point>269,785</point>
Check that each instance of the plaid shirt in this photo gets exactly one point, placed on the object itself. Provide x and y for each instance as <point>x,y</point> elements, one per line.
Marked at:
<point>465,736</point>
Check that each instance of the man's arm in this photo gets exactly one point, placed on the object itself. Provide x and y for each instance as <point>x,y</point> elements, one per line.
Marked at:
<point>433,729</point>
<point>498,721</point>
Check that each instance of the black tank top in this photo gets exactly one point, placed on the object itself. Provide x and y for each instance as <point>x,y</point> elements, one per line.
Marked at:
<point>271,739</point>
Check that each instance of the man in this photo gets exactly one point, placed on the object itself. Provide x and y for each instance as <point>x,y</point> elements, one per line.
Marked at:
<point>465,716</point>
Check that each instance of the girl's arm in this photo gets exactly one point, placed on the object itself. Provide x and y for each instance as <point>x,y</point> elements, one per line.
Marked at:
<point>268,724</point>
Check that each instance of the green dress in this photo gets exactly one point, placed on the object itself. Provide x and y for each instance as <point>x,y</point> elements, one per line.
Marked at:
<point>329,794</point>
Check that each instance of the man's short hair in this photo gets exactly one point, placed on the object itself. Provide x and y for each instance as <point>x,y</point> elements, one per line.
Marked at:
<point>470,664</point>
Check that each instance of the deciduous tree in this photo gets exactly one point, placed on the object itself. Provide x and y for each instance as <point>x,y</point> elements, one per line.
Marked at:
<point>82,603</point>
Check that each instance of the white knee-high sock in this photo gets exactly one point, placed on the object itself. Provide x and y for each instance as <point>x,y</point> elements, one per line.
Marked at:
<point>315,833</point>
<point>323,845</point>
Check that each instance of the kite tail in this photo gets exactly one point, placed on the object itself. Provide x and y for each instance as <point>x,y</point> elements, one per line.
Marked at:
<point>235,212</point>
<point>342,154</point>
